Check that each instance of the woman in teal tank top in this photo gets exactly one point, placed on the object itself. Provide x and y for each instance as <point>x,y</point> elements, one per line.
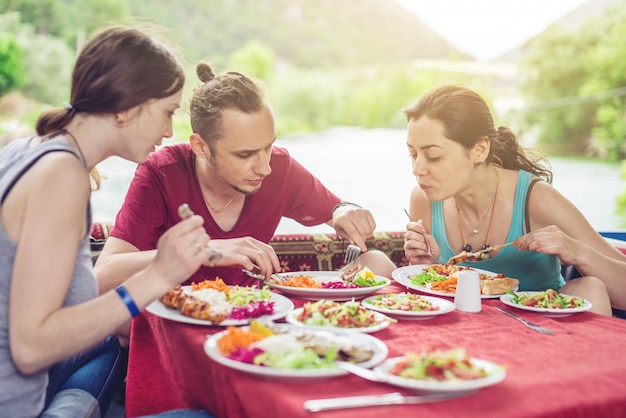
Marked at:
<point>535,271</point>
<point>473,191</point>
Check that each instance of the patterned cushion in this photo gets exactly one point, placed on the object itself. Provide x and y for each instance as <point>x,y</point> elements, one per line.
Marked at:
<point>302,252</point>
<point>298,252</point>
<point>323,252</point>
<point>99,235</point>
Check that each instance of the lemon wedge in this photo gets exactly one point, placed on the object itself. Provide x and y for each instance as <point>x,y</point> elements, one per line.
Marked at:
<point>258,328</point>
<point>366,273</point>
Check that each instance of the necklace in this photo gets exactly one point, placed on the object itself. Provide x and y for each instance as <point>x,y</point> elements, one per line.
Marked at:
<point>80,151</point>
<point>225,206</point>
<point>466,246</point>
<point>476,230</point>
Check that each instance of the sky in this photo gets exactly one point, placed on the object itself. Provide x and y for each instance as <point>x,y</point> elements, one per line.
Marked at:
<point>487,28</point>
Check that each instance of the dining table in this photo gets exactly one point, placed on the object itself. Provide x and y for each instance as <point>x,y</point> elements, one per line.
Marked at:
<point>579,371</point>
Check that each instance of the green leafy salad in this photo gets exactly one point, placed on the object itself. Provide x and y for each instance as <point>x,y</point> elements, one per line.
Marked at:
<point>262,346</point>
<point>550,299</point>
<point>438,365</point>
<point>242,296</point>
<point>428,276</point>
<point>407,302</point>
<point>349,314</point>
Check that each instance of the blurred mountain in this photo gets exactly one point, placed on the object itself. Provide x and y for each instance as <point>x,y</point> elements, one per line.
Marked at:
<point>303,33</point>
<point>571,21</point>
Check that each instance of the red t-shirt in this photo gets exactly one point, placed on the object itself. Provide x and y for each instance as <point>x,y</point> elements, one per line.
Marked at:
<point>168,179</point>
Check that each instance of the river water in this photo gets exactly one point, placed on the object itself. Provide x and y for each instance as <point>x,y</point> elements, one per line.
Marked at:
<point>372,167</point>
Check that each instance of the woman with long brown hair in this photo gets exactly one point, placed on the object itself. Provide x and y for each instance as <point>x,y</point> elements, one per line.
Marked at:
<point>477,187</point>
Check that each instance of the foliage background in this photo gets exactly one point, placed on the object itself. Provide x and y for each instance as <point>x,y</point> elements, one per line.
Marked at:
<point>332,63</point>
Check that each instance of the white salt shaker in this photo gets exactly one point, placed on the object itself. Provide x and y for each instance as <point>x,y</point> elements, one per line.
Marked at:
<point>467,297</point>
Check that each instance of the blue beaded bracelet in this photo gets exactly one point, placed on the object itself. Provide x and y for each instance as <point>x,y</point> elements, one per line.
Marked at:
<point>128,300</point>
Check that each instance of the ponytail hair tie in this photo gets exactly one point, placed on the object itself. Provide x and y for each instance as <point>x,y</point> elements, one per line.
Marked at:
<point>69,108</point>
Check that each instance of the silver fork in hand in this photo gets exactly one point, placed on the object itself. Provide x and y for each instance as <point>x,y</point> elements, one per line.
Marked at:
<point>430,252</point>
<point>275,276</point>
<point>352,253</point>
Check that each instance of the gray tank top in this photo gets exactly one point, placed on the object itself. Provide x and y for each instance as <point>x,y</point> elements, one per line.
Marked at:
<point>20,395</point>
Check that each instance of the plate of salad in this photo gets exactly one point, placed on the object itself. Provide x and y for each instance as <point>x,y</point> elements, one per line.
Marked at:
<point>349,316</point>
<point>547,303</point>
<point>233,305</point>
<point>440,280</point>
<point>440,371</point>
<point>407,305</point>
<point>315,285</point>
<point>287,352</point>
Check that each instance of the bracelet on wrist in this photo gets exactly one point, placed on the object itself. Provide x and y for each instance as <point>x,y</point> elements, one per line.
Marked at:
<point>340,204</point>
<point>128,300</point>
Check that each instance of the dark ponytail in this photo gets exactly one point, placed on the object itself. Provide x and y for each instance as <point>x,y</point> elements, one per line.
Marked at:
<point>506,152</point>
<point>54,120</point>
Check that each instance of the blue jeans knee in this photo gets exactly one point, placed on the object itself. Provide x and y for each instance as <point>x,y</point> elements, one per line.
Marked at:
<point>99,371</point>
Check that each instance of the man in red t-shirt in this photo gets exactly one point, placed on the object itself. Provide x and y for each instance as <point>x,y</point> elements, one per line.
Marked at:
<point>231,174</point>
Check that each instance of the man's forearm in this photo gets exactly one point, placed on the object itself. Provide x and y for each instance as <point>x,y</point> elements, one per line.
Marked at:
<point>117,268</point>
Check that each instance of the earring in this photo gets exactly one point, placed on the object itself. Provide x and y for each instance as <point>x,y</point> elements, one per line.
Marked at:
<point>479,164</point>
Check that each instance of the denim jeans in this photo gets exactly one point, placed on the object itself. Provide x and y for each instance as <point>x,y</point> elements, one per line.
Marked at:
<point>72,403</point>
<point>98,371</point>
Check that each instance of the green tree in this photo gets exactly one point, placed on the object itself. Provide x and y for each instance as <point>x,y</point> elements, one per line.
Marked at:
<point>66,19</point>
<point>555,71</point>
<point>82,22</point>
<point>255,59</point>
<point>306,100</point>
<point>46,60</point>
<point>49,62</point>
<point>575,86</point>
<point>606,65</point>
<point>45,16</point>
<point>11,68</point>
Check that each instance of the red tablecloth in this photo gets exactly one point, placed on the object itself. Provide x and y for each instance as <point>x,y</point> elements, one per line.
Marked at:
<point>579,372</point>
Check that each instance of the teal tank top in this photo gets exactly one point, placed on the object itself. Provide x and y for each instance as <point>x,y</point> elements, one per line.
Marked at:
<point>534,270</point>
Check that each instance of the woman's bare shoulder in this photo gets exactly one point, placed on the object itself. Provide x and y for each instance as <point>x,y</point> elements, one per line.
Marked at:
<point>548,206</point>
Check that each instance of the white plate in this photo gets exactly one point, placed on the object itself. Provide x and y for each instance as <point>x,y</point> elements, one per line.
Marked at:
<point>384,323</point>
<point>551,312</point>
<point>282,306</point>
<point>403,276</point>
<point>495,374</point>
<point>331,294</point>
<point>377,346</point>
<point>444,305</point>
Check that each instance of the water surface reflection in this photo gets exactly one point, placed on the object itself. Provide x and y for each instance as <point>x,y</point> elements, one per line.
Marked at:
<point>372,167</point>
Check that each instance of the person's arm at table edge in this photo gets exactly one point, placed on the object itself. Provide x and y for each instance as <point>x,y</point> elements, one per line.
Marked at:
<point>356,227</point>
<point>118,261</point>
<point>610,270</point>
<point>583,247</point>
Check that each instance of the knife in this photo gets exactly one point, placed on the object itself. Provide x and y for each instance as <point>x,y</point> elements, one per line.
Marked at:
<point>395,398</point>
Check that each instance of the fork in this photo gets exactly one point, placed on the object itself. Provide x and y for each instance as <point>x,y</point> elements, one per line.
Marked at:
<point>529,324</point>
<point>360,371</point>
<point>352,253</point>
<point>258,276</point>
<point>430,251</point>
<point>184,212</point>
